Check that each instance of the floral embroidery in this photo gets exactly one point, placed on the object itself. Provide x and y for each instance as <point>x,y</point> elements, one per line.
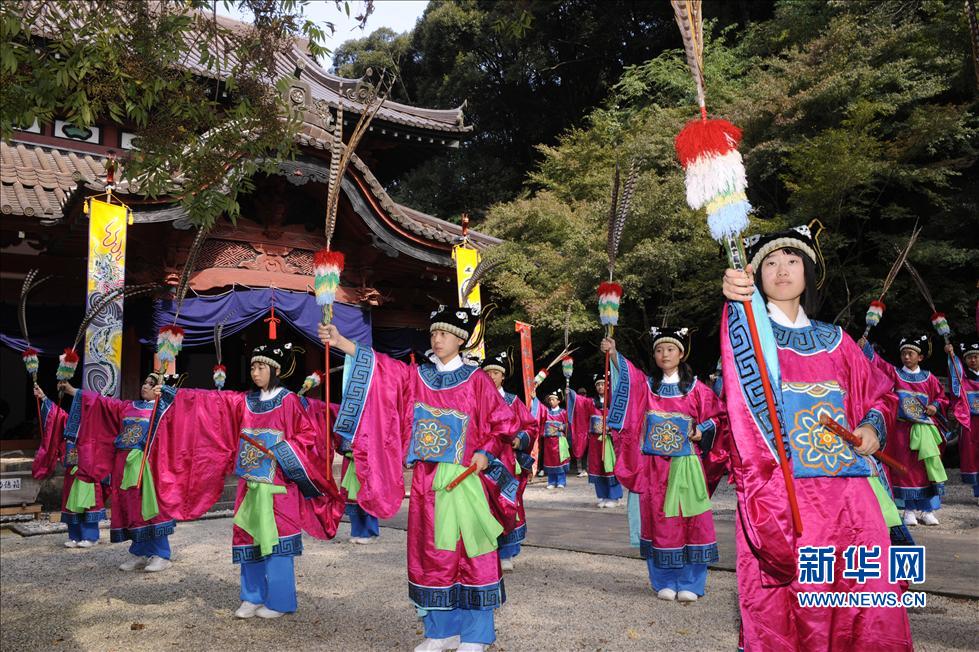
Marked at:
<point>815,445</point>
<point>666,437</point>
<point>431,439</point>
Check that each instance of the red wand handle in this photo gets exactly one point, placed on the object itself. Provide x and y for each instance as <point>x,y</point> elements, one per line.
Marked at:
<point>783,460</point>
<point>605,399</point>
<point>257,444</point>
<point>844,434</point>
<point>462,476</point>
<point>149,442</point>
<point>329,429</point>
<point>40,424</point>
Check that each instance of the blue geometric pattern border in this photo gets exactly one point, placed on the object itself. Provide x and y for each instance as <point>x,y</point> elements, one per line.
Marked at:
<point>290,546</point>
<point>72,518</point>
<point>458,596</point>
<point>358,384</point>
<point>678,557</point>
<point>293,468</point>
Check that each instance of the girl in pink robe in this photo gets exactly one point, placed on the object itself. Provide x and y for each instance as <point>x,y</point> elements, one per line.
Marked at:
<point>820,371</point>
<point>117,432</point>
<point>207,434</point>
<point>586,418</point>
<point>59,444</point>
<point>969,393</point>
<point>555,452</point>
<point>666,423</point>
<point>445,415</point>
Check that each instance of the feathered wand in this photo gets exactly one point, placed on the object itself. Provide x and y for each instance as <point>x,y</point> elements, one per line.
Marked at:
<point>715,180</point>
<point>328,264</point>
<point>939,321</point>
<point>877,307</point>
<point>609,292</point>
<point>29,355</point>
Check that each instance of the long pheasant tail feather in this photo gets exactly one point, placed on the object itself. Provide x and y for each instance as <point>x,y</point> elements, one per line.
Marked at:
<point>610,246</point>
<point>25,289</point>
<point>690,21</point>
<point>920,282</point>
<point>625,207</point>
<point>898,263</point>
<point>484,267</point>
<point>333,181</point>
<point>218,331</point>
<point>567,327</point>
<point>195,250</point>
<point>105,301</point>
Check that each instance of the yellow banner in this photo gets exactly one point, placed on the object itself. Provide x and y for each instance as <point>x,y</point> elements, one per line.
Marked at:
<point>106,272</point>
<point>467,259</point>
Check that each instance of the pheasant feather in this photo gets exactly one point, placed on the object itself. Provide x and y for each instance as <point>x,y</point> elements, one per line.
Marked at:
<point>195,250</point>
<point>107,299</point>
<point>484,267</point>
<point>690,21</point>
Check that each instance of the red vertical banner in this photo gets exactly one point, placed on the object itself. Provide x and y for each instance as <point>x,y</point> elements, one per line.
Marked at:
<point>526,361</point>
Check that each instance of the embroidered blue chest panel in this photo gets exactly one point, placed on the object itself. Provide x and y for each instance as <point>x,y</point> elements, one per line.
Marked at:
<point>553,427</point>
<point>973,402</point>
<point>133,434</point>
<point>439,380</point>
<point>438,435</point>
<point>251,463</point>
<point>911,406</point>
<point>667,434</point>
<point>71,454</point>
<point>815,338</point>
<point>816,450</point>
<point>595,425</point>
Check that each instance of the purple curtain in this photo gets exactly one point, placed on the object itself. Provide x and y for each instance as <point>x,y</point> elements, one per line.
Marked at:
<point>241,307</point>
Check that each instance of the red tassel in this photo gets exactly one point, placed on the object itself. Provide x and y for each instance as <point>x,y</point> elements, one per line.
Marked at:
<point>608,287</point>
<point>700,137</point>
<point>328,257</point>
<point>71,355</point>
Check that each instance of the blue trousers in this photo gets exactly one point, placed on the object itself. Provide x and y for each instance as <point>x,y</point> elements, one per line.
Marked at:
<point>604,489</point>
<point>158,546</point>
<point>83,531</point>
<point>559,478</point>
<point>692,577</point>
<point>509,551</point>
<point>362,524</point>
<point>920,504</point>
<point>271,581</point>
<point>471,625</point>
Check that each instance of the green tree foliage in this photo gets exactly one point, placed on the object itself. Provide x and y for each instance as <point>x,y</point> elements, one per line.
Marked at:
<point>527,71</point>
<point>202,93</point>
<point>860,114</point>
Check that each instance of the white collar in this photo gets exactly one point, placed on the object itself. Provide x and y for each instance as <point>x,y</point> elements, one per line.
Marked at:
<point>780,318</point>
<point>502,393</point>
<point>266,395</point>
<point>913,371</point>
<point>673,378</point>
<point>451,365</point>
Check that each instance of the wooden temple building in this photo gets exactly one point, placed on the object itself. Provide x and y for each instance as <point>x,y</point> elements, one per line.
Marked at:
<point>399,262</point>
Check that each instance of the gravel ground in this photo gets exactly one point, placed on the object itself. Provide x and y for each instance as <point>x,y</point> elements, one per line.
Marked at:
<point>353,598</point>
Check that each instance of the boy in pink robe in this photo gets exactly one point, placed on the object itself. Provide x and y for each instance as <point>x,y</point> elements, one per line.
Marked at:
<point>820,370</point>
<point>969,393</point>
<point>60,433</point>
<point>916,440</point>
<point>117,435</point>
<point>554,450</point>
<point>498,368</point>
<point>666,423</point>
<point>586,417</point>
<point>445,415</point>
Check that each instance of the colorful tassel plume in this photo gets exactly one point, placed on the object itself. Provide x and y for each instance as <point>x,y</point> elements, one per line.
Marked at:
<point>67,364</point>
<point>567,367</point>
<point>609,299</point>
<point>220,374</point>
<point>941,324</point>
<point>30,361</point>
<point>312,381</point>
<point>327,267</point>
<point>715,176</point>
<point>874,313</point>
<point>540,377</point>
<point>169,341</point>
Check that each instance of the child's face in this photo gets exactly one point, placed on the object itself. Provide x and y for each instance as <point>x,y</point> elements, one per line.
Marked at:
<point>146,391</point>
<point>972,361</point>
<point>496,377</point>
<point>783,276</point>
<point>600,388</point>
<point>445,345</point>
<point>552,402</point>
<point>261,374</point>
<point>667,356</point>
<point>911,358</point>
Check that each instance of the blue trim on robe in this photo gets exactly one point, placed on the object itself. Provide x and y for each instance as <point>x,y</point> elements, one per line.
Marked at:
<point>679,557</point>
<point>290,546</point>
<point>257,406</point>
<point>357,384</point>
<point>144,533</point>
<point>523,441</point>
<point>708,431</point>
<point>438,380</point>
<point>294,470</point>
<point>875,420</point>
<point>499,475</point>
<point>72,518</point>
<point>919,493</point>
<point>526,461</point>
<point>808,340</point>
<point>901,536</point>
<point>970,478</point>
<point>670,390</point>
<point>517,535</point>
<point>619,400</point>
<point>458,596</point>
<point>611,480</point>
<point>74,418</point>
<point>919,376</point>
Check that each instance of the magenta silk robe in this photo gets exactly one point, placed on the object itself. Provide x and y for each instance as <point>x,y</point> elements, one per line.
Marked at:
<point>585,418</point>
<point>822,371</point>
<point>969,437</point>
<point>526,437</point>
<point>390,410</point>
<point>198,445</point>
<point>59,443</point>
<point>552,428</point>
<point>671,542</point>
<point>914,392</point>
<point>113,428</point>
